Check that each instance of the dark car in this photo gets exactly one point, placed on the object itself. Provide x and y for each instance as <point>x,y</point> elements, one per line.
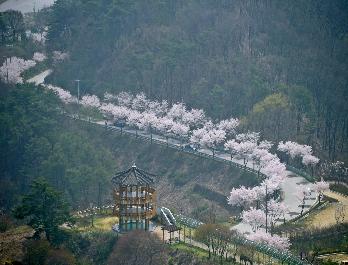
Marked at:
<point>120,123</point>
<point>190,147</point>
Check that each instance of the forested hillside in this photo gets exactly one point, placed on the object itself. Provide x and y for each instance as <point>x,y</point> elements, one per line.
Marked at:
<point>79,159</point>
<point>280,65</point>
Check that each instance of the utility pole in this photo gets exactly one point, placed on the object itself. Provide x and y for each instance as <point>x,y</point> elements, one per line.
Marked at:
<point>99,196</point>
<point>78,90</point>
<point>266,208</point>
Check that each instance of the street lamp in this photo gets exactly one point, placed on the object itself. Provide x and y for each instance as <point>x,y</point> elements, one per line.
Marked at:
<point>78,89</point>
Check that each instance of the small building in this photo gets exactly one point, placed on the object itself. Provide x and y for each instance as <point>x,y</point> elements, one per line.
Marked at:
<point>135,199</point>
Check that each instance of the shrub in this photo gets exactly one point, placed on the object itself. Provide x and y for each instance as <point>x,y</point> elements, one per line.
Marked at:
<point>5,223</point>
<point>36,252</point>
<point>60,257</point>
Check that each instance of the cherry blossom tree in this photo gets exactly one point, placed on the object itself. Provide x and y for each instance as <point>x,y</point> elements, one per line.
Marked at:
<point>310,161</point>
<point>177,112</point>
<point>244,150</point>
<point>261,158</point>
<point>242,197</point>
<point>90,101</point>
<point>180,130</point>
<point>147,122</point>
<point>260,236</point>
<point>125,99</point>
<point>64,95</point>
<point>275,211</point>
<point>13,67</point>
<point>274,168</point>
<point>91,104</point>
<point>140,102</point>
<point>248,137</point>
<point>272,184</point>
<point>232,147</point>
<point>256,218</point>
<point>197,135</point>
<point>159,108</point>
<point>302,193</point>
<point>212,138</point>
<point>39,57</point>
<point>119,113</point>
<point>133,119</point>
<point>320,187</point>
<point>294,149</point>
<point>229,126</point>
<point>164,126</point>
<point>265,145</point>
<point>194,118</point>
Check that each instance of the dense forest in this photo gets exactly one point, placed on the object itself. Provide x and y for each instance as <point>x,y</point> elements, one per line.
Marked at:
<point>39,143</point>
<point>279,65</point>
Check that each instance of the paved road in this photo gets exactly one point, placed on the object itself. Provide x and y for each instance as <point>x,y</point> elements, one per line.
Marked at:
<point>288,187</point>
<point>40,78</point>
<point>25,6</point>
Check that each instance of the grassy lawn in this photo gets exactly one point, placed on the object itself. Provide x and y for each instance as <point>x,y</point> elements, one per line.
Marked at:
<point>325,216</point>
<point>100,223</point>
<point>197,252</point>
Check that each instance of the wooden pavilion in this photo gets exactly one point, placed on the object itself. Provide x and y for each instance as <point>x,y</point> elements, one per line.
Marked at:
<point>135,198</point>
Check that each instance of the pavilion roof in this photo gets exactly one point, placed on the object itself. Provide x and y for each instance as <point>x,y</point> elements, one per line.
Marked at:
<point>133,176</point>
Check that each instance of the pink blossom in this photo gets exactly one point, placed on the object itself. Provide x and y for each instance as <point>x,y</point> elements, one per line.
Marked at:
<point>310,160</point>
<point>179,129</point>
<point>242,196</point>
<point>133,119</point>
<point>39,57</point>
<point>12,69</point>
<point>212,138</point>
<point>147,121</point>
<point>248,137</point>
<point>64,95</point>
<point>118,112</point>
<point>256,218</point>
<point>193,118</point>
<point>276,210</point>
<point>125,99</point>
<point>232,147</point>
<point>140,102</point>
<point>229,126</point>
<point>294,149</point>
<point>266,145</point>
<point>109,97</point>
<point>321,186</point>
<point>164,125</point>
<point>197,136</point>
<point>90,101</point>
<point>177,111</point>
<point>260,236</point>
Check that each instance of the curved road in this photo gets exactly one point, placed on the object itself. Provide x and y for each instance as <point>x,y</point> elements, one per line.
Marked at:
<point>288,187</point>
<point>25,6</point>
